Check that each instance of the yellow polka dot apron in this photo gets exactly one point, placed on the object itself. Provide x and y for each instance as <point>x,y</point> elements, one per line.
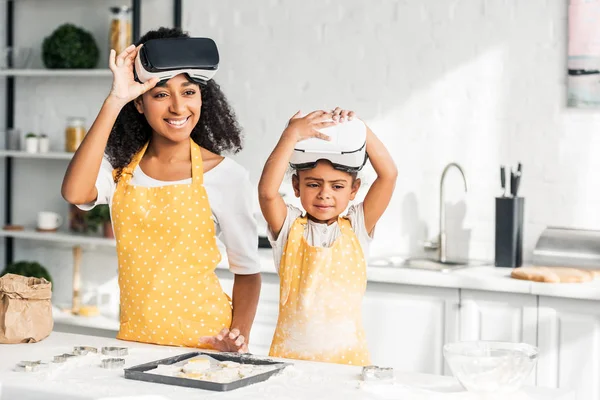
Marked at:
<point>168,253</point>
<point>321,291</point>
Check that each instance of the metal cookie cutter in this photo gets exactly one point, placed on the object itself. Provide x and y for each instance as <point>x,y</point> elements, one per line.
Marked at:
<point>63,357</point>
<point>110,363</point>
<point>83,350</point>
<point>31,366</point>
<point>375,373</point>
<point>115,351</point>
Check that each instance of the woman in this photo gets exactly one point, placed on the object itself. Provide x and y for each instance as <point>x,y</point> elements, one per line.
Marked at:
<point>153,155</point>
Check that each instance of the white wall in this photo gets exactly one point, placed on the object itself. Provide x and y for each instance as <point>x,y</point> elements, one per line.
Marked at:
<point>476,82</point>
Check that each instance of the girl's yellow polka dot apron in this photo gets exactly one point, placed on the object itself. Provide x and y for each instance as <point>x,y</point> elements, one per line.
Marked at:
<point>167,253</point>
<point>320,303</point>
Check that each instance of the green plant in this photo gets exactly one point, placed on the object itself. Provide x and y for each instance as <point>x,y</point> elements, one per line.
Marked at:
<point>96,217</point>
<point>70,47</point>
<point>30,135</point>
<point>27,268</point>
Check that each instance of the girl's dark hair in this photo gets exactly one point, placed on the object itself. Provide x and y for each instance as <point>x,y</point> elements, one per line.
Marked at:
<point>217,130</point>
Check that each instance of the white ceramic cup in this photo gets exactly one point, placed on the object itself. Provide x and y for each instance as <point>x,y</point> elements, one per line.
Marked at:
<point>32,144</point>
<point>44,144</point>
<point>48,220</point>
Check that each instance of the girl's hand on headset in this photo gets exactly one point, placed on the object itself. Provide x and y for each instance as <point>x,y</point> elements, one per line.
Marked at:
<point>125,88</point>
<point>340,115</point>
<point>301,128</point>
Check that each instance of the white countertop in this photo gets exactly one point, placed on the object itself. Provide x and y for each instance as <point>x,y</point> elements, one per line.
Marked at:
<point>84,379</point>
<point>488,278</point>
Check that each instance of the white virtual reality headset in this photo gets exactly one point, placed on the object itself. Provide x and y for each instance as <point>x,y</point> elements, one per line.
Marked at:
<point>166,58</point>
<point>346,150</point>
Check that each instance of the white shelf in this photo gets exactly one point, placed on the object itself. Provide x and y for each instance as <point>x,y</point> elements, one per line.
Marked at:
<point>67,73</point>
<point>59,237</point>
<point>45,156</point>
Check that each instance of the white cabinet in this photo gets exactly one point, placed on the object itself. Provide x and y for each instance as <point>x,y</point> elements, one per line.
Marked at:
<point>497,316</point>
<point>509,317</point>
<point>569,342</point>
<point>407,326</point>
<point>266,315</point>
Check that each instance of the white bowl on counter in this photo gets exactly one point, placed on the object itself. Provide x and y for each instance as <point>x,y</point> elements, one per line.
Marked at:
<point>491,367</point>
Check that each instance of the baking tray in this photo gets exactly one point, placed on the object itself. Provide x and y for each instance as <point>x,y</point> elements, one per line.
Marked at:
<point>139,372</point>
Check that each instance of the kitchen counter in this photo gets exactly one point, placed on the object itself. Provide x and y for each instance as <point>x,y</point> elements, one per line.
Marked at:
<point>83,379</point>
<point>487,278</point>
<point>483,278</point>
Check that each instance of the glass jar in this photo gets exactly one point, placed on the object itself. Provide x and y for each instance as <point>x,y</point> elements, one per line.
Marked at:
<point>74,133</point>
<point>120,28</point>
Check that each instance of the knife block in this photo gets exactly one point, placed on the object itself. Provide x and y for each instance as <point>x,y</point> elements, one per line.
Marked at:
<point>509,232</point>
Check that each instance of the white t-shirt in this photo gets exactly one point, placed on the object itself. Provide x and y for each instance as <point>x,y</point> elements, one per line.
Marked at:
<point>231,197</point>
<point>318,234</point>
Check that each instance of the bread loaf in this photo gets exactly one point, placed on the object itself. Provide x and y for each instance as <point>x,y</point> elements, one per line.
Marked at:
<point>554,274</point>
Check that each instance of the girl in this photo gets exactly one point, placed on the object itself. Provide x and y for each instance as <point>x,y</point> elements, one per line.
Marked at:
<point>321,255</point>
<point>171,194</point>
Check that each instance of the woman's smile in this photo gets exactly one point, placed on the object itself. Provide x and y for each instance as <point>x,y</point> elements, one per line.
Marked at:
<point>177,123</point>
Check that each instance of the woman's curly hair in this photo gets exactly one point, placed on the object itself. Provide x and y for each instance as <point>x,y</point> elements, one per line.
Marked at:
<point>217,129</point>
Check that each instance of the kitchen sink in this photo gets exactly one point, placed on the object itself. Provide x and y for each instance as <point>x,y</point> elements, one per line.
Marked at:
<point>424,263</point>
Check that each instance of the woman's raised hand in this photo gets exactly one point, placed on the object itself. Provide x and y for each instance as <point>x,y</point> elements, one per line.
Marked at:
<point>125,88</point>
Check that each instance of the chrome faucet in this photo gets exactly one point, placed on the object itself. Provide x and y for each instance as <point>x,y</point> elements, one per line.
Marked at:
<point>442,237</point>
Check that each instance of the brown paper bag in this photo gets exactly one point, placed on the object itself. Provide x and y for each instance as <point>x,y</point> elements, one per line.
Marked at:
<point>25,309</point>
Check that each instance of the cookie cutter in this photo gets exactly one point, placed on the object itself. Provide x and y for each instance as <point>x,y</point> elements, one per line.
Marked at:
<point>83,350</point>
<point>375,373</point>
<point>111,363</point>
<point>31,366</point>
<point>115,351</point>
<point>63,357</point>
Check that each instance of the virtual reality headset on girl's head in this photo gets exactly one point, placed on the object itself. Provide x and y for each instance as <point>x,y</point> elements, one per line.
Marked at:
<point>346,150</point>
<point>166,58</point>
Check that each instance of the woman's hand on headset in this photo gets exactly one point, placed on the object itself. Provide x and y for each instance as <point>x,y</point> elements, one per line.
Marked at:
<point>302,128</point>
<point>125,88</point>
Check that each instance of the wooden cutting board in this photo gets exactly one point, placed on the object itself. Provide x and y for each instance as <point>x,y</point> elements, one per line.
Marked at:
<point>554,274</point>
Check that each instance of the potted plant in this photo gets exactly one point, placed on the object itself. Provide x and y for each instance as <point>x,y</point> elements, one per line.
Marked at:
<point>31,143</point>
<point>97,220</point>
<point>27,268</point>
<point>70,46</point>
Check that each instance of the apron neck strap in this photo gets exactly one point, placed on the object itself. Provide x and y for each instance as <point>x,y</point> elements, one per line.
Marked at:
<point>127,172</point>
<point>343,223</point>
<point>196,158</point>
<point>197,165</point>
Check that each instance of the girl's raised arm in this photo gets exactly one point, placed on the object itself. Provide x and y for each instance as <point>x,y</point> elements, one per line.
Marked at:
<point>380,193</point>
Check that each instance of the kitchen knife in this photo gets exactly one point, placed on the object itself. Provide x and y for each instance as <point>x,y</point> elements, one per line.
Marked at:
<point>503,180</point>
<point>516,184</point>
<point>518,175</point>
<point>512,183</point>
